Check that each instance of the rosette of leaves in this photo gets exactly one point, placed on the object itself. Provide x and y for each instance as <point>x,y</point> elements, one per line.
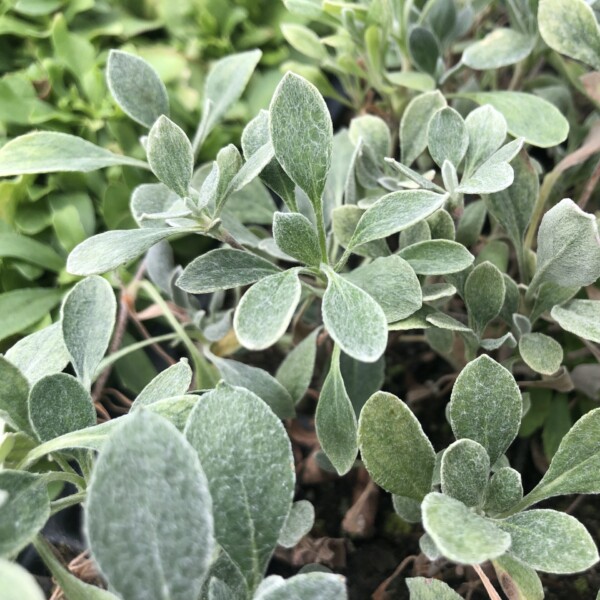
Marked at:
<point>468,498</point>
<point>166,460</point>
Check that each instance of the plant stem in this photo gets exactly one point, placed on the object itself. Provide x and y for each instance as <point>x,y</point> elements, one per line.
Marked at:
<point>487,584</point>
<point>204,377</point>
<point>76,480</point>
<point>63,503</point>
<point>318,205</point>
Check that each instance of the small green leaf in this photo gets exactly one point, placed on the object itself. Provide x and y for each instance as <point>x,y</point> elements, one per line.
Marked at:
<point>14,390</point>
<point>136,87</point>
<point>305,40</point>
<point>24,513</point>
<point>424,49</point>
<point>415,122</point>
<point>345,220</point>
<point>225,83</point>
<point>170,155</point>
<point>392,283</point>
<point>247,457</point>
<point>518,581</point>
<point>462,535</point>
<point>174,381</point>
<point>296,371</point>
<point>464,472</point>
<point>296,236</point>
<point>575,466</point>
<point>258,381</point>
<point>52,152</point>
<point>111,249</point>
<point>361,379</point>
<point>504,491</point>
<point>486,406</point>
<point>570,27</point>
<point>20,247</point>
<point>144,460</point>
<point>530,117</point>
<point>394,212</point>
<point>437,257</point>
<point>266,310</point>
<point>447,137</point>
<point>316,586</point>
<point>394,449</point>
<point>581,317</point>
<point>500,48</point>
<point>222,269</point>
<point>24,307</point>
<point>40,353</point>
<point>17,583</point>
<point>59,404</point>
<point>484,295</point>
<point>421,588</point>
<point>541,353</point>
<point>302,134</point>
<point>568,247</point>
<point>298,523</point>
<point>513,206</point>
<point>88,318</point>
<point>335,420</point>
<point>353,319</point>
<point>486,128</point>
<point>550,541</point>
<point>408,509</point>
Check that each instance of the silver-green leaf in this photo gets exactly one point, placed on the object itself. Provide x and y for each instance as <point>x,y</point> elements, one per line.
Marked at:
<point>581,317</point>
<point>464,472</point>
<point>484,295</point>
<point>541,353</point>
<point>296,236</point>
<point>437,257</point>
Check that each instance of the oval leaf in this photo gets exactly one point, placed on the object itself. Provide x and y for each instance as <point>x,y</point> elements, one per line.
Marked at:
<point>296,236</point>
<point>437,257</point>
<point>581,317</point>
<point>541,353</point>
<point>464,472</point>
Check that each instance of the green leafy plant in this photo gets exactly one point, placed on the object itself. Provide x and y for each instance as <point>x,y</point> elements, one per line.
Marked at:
<point>361,241</point>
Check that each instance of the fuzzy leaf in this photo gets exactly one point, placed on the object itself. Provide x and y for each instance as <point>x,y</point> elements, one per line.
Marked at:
<point>462,535</point>
<point>447,137</point>
<point>59,404</point>
<point>568,247</point>
<point>527,116</point>
<point>550,541</point>
<point>17,583</point>
<point>52,152</point>
<point>316,586</point>
<point>22,308</point>
<point>170,155</point>
<point>296,236</point>
<point>484,295</point>
<point>302,134</point>
<point>88,318</point>
<point>581,317</point>
<point>345,220</point>
<point>421,588</point>
<point>136,87</point>
<point>111,249</point>
<point>548,296</point>
<point>437,257</point>
<point>486,406</point>
<point>464,472</point>
<point>14,390</point>
<point>296,371</point>
<point>414,124</point>
<point>541,353</point>
<point>394,212</point>
<point>392,283</point>
<point>504,491</point>
<point>24,513</point>
<point>247,458</point>
<point>40,353</point>
<point>174,381</point>
<point>486,128</point>
<point>394,449</point>
<point>518,581</point>
<point>264,313</point>
<point>298,523</point>
<point>575,465</point>
<point>222,269</point>
<point>500,48</point>
<point>354,320</point>
<point>335,420</point>
<point>144,460</point>
<point>224,84</point>
<point>570,27</point>
<point>513,206</point>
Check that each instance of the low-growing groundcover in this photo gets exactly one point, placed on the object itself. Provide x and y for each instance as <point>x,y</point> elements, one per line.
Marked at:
<point>396,305</point>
